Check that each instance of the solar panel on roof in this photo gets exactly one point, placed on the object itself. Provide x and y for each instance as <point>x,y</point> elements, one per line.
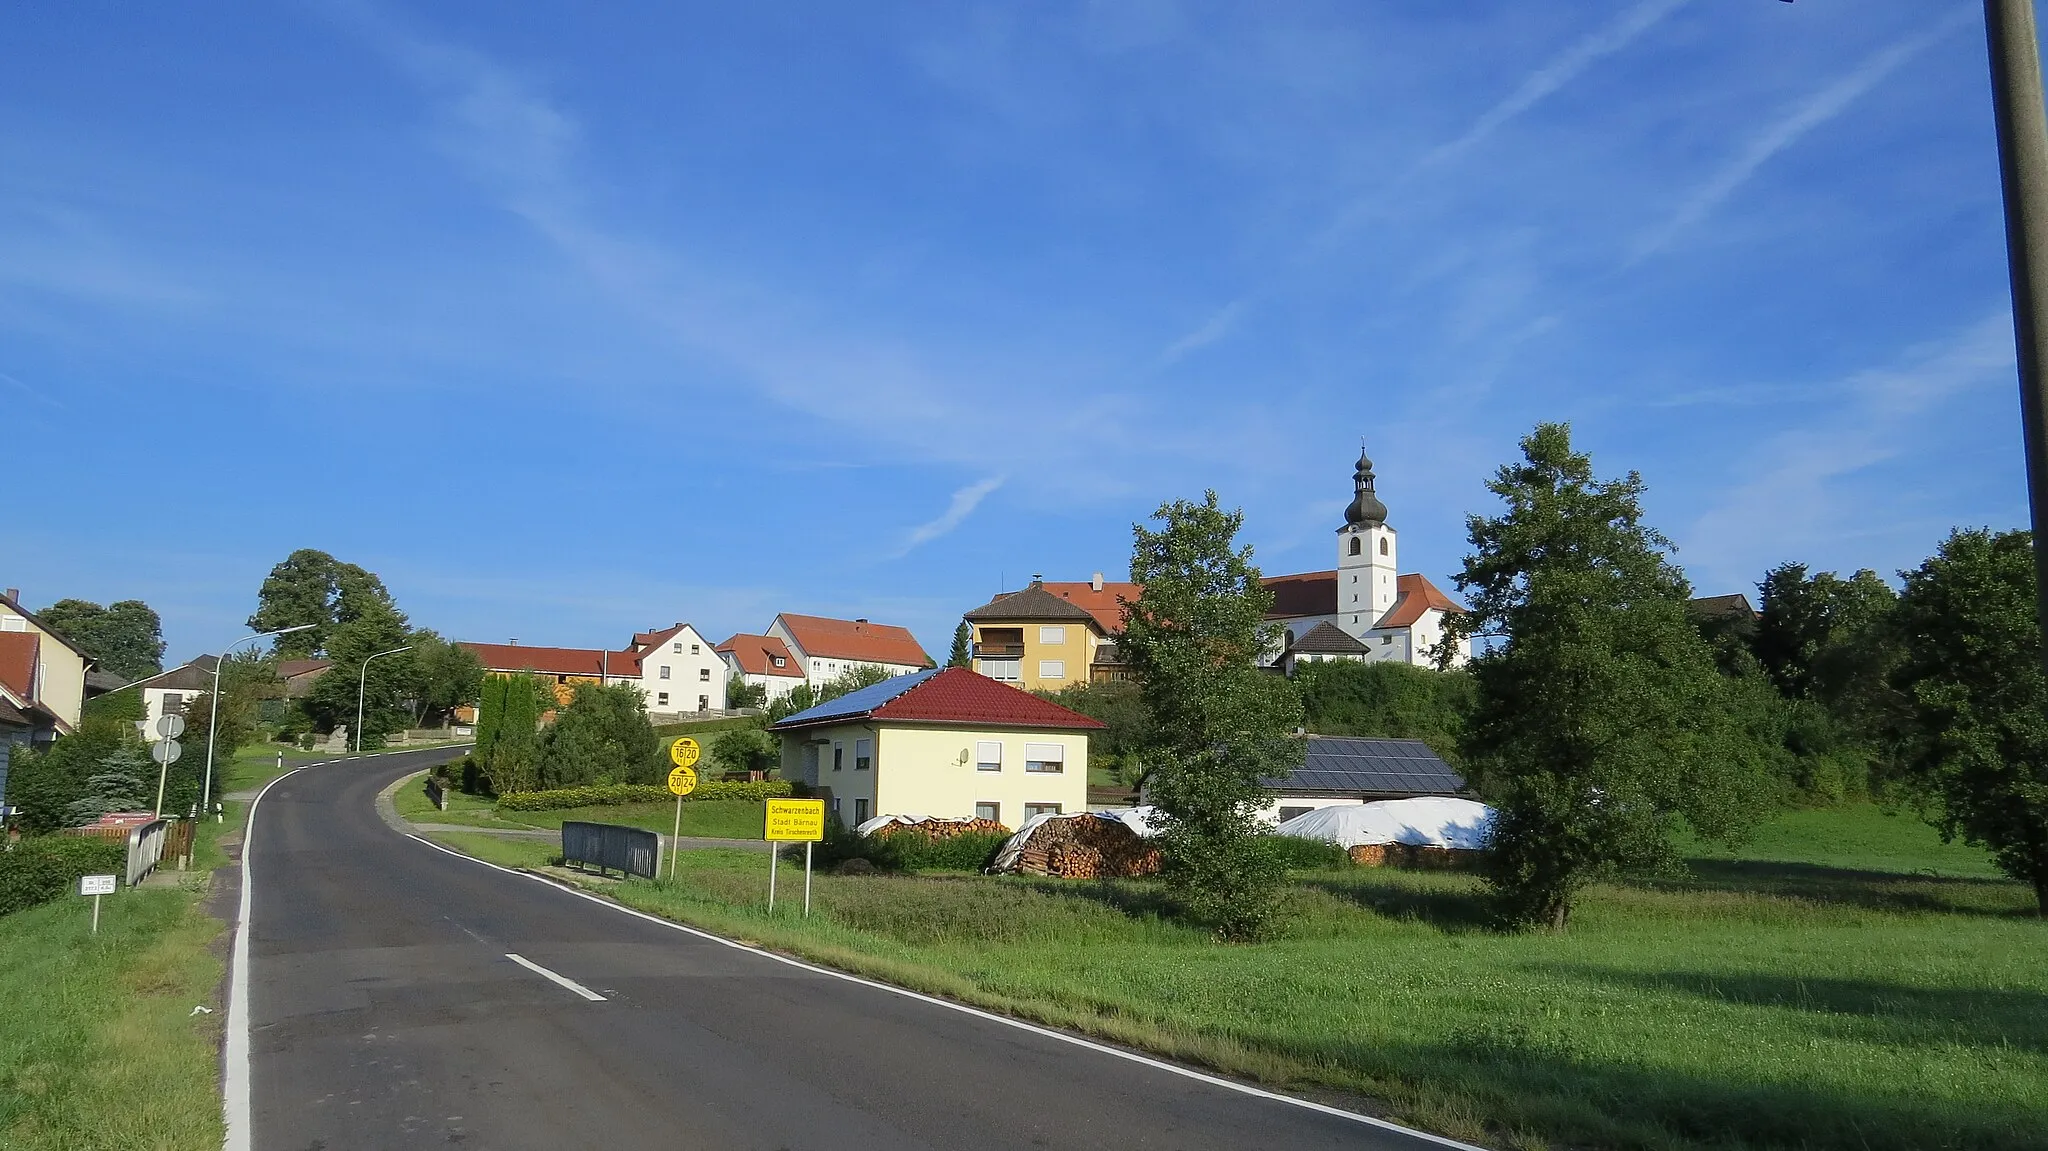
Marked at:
<point>1404,766</point>
<point>860,702</point>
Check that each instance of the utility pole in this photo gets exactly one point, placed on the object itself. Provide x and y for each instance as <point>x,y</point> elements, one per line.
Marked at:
<point>2023,169</point>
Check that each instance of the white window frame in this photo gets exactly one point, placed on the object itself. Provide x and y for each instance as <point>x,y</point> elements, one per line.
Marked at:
<point>994,669</point>
<point>995,811</point>
<point>1052,634</point>
<point>1052,669</point>
<point>661,699</point>
<point>1031,809</point>
<point>664,671</point>
<point>703,675</point>
<point>988,755</point>
<point>1037,757</point>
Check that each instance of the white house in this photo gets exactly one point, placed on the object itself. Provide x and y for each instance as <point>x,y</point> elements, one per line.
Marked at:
<point>675,667</point>
<point>1386,615</point>
<point>829,648</point>
<point>762,661</point>
<point>169,692</point>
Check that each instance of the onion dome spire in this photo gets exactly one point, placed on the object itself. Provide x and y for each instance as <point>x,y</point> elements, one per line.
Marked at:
<point>1366,510</point>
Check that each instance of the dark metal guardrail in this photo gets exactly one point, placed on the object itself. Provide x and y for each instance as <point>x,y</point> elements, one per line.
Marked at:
<point>437,792</point>
<point>631,850</point>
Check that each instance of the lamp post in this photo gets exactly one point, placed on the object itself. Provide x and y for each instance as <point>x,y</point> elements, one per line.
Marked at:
<point>213,705</point>
<point>362,681</point>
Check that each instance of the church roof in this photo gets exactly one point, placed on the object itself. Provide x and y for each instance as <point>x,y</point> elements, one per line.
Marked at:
<point>1327,638</point>
<point>1418,595</point>
<point>1310,593</point>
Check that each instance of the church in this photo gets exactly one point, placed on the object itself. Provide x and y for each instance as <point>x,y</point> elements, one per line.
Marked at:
<point>1364,609</point>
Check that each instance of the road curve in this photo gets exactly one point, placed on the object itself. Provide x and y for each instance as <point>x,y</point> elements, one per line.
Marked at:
<point>385,1009</point>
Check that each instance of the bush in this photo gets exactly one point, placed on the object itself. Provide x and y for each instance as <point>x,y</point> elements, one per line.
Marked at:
<point>970,851</point>
<point>1297,854</point>
<point>610,794</point>
<point>42,868</point>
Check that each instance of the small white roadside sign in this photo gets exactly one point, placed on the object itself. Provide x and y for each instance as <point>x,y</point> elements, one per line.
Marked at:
<point>95,886</point>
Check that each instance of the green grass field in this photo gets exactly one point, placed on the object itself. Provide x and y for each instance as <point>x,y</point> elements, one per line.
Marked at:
<point>711,818</point>
<point>99,1047</point>
<point>669,731</point>
<point>1846,982</point>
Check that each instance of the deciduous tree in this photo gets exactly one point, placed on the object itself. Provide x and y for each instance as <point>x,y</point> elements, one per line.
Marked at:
<point>125,638</point>
<point>1601,721</point>
<point>1193,641</point>
<point>1977,746</point>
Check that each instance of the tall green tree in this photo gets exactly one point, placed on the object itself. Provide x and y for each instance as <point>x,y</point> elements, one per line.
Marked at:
<point>1976,748</point>
<point>123,780</point>
<point>514,763</point>
<point>312,587</point>
<point>490,713</point>
<point>739,693</point>
<point>739,750</point>
<point>962,654</point>
<point>125,638</point>
<point>602,736</point>
<point>1193,641</point>
<point>1602,723</point>
<point>439,677</point>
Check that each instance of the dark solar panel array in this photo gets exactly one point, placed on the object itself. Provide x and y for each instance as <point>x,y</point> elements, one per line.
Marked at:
<point>1397,766</point>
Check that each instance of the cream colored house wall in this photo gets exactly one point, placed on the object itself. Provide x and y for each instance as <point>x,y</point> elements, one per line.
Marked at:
<point>60,672</point>
<point>918,770</point>
<point>691,673</point>
<point>921,772</point>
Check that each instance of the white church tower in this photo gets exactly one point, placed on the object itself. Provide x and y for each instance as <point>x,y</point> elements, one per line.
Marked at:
<point>1366,556</point>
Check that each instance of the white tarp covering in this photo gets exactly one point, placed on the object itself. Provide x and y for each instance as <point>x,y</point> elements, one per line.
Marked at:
<point>1430,821</point>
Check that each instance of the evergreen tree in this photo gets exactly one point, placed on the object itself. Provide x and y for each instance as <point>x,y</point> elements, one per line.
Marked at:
<point>1602,723</point>
<point>1193,640</point>
<point>962,654</point>
<point>123,780</point>
<point>602,736</point>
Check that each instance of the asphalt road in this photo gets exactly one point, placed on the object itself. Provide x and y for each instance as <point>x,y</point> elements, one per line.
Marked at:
<point>383,1011</point>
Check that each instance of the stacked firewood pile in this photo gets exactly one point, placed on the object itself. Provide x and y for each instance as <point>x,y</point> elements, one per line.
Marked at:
<point>1086,847</point>
<point>934,830</point>
<point>1414,857</point>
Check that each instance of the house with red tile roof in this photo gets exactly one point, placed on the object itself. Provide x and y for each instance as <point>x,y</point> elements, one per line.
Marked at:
<point>828,648</point>
<point>942,742</point>
<point>53,674</point>
<point>762,661</point>
<point>675,668</point>
<point>1051,635</point>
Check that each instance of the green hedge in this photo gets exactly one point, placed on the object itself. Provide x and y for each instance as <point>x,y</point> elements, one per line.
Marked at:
<point>608,794</point>
<point>41,868</point>
<point>1298,854</point>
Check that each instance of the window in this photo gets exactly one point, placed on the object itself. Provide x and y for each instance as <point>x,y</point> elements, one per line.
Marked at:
<point>863,754</point>
<point>1052,669</point>
<point>860,812</point>
<point>703,703</point>
<point>703,674</point>
<point>779,661</point>
<point>664,671</point>
<point>1046,758</point>
<point>993,812</point>
<point>811,770</point>
<point>835,808</point>
<point>696,649</point>
<point>1386,639</point>
<point>1287,813</point>
<point>1052,635</point>
<point>677,648</point>
<point>1355,548</point>
<point>988,755</point>
<point>1031,809</point>
<point>1383,545</point>
<point>1006,670</point>
<point>661,698</point>
<point>838,756</point>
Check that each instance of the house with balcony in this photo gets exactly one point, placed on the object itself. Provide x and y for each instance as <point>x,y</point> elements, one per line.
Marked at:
<point>944,742</point>
<point>1049,636</point>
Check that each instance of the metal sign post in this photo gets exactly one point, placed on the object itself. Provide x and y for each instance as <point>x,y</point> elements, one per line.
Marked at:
<point>95,886</point>
<point>793,821</point>
<point>684,753</point>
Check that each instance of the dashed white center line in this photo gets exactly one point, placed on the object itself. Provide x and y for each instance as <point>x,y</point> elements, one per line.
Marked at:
<point>564,980</point>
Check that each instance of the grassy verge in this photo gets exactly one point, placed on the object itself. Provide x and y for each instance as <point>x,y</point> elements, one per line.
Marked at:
<point>99,1047</point>
<point>712,818</point>
<point>1845,998</point>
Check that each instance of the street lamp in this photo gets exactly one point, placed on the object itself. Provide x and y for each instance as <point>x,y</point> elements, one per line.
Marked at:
<point>213,704</point>
<point>362,681</point>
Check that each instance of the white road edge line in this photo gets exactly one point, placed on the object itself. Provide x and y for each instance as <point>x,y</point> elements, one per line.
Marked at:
<point>564,980</point>
<point>992,1017</point>
<point>235,1095</point>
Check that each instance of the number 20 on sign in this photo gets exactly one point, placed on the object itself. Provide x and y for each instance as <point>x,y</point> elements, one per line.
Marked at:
<point>684,753</point>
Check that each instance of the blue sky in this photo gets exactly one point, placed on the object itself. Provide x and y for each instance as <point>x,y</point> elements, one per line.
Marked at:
<point>572,319</point>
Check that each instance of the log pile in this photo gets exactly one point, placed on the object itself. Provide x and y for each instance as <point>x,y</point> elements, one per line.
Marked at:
<point>934,830</point>
<point>1414,857</point>
<point>1086,848</point>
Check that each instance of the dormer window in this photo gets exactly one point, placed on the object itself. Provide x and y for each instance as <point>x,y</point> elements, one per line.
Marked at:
<point>779,661</point>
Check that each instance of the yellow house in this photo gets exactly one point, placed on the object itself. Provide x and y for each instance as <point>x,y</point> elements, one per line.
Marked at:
<point>946,742</point>
<point>1050,636</point>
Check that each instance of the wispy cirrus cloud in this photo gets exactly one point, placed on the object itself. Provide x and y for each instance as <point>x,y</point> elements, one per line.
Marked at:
<point>964,501</point>
<point>1792,125</point>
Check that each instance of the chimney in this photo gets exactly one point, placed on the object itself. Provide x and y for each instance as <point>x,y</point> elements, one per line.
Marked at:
<point>861,620</point>
<point>14,593</point>
<point>1096,581</point>
<point>513,642</point>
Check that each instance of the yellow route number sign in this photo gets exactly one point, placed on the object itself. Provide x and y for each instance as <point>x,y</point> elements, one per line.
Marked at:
<point>685,752</point>
<point>796,820</point>
<point>682,781</point>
